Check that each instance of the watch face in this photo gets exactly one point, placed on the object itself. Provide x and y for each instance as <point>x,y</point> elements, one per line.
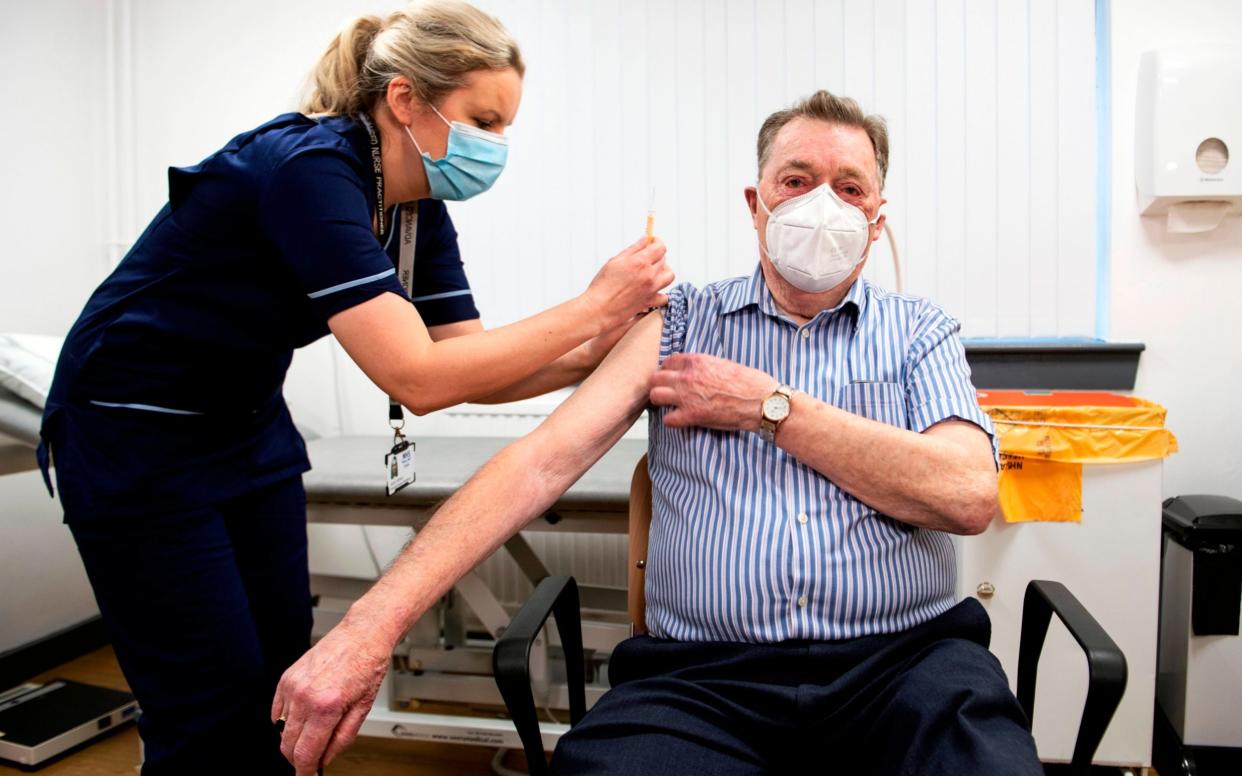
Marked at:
<point>775,407</point>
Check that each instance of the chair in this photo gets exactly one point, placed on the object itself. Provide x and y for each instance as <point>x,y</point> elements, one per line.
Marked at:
<point>558,596</point>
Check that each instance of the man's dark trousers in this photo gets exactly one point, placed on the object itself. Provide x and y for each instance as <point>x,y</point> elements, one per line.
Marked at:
<point>930,700</point>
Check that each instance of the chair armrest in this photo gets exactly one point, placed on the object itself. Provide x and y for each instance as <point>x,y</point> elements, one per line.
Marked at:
<point>1106,665</point>
<point>511,661</point>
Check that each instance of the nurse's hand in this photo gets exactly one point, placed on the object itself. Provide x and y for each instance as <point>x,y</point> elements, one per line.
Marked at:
<point>630,283</point>
<point>325,696</point>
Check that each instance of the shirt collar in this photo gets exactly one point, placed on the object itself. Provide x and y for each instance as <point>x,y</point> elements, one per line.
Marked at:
<point>755,292</point>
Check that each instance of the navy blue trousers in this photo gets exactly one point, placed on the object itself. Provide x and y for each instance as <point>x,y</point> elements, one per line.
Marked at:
<point>206,610</point>
<point>930,700</point>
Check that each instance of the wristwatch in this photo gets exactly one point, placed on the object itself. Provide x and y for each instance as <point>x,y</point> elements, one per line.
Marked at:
<point>775,409</point>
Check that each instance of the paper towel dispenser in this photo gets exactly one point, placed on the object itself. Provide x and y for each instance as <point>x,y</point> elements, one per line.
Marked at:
<point>1187,126</point>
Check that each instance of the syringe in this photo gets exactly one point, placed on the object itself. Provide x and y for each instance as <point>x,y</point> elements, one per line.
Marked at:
<point>651,216</point>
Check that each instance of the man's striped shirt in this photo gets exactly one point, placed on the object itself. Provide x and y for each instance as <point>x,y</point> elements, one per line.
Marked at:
<point>747,544</point>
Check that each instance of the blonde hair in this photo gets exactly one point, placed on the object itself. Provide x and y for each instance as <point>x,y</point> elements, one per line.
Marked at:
<point>826,106</point>
<point>435,44</point>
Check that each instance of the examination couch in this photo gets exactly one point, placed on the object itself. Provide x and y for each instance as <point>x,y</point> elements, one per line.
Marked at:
<point>26,365</point>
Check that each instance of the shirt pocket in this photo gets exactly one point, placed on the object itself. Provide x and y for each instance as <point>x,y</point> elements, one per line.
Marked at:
<point>882,401</point>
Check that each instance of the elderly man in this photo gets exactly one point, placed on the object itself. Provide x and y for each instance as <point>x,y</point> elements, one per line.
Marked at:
<point>814,440</point>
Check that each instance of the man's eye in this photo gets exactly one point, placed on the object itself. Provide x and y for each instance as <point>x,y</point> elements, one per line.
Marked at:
<point>853,191</point>
<point>484,124</point>
<point>794,183</point>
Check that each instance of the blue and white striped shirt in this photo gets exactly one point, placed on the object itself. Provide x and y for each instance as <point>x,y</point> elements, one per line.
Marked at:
<point>747,543</point>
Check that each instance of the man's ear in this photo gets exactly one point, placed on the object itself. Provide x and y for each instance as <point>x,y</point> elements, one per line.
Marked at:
<point>752,202</point>
<point>879,222</point>
<point>402,101</point>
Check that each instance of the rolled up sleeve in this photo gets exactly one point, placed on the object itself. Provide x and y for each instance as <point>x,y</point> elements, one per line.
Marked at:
<point>938,385</point>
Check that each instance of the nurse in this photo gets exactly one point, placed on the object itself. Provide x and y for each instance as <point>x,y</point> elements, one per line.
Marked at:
<point>178,465</point>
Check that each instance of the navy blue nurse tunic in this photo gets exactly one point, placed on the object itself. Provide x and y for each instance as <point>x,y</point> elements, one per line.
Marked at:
<point>175,456</point>
<point>168,390</point>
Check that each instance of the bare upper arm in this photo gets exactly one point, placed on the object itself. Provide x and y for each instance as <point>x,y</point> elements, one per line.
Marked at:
<point>385,333</point>
<point>381,335</point>
<point>611,399</point>
<point>458,329</point>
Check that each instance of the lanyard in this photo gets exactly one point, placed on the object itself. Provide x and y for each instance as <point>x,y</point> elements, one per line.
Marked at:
<point>407,233</point>
<point>409,214</point>
<point>377,169</point>
<point>399,463</point>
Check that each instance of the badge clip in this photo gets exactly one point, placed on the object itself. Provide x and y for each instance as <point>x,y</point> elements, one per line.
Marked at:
<point>399,463</point>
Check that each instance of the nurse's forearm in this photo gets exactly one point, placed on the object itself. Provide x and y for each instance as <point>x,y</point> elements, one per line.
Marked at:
<point>386,337</point>
<point>570,369</point>
<point>524,359</point>
<point>388,340</point>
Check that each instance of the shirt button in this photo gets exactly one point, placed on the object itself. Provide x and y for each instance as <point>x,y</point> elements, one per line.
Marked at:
<point>806,334</point>
<point>801,600</point>
<point>802,518</point>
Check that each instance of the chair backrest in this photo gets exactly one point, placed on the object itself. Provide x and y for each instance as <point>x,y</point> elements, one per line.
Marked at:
<point>640,528</point>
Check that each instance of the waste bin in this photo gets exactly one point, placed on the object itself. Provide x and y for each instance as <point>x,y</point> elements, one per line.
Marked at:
<point>1081,487</point>
<point>1199,673</point>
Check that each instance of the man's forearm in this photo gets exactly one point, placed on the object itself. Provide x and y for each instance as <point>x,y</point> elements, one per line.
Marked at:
<point>942,478</point>
<point>470,526</point>
<point>514,487</point>
<point>926,479</point>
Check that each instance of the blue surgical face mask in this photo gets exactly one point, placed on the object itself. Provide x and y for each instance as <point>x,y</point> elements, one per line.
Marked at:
<point>471,163</point>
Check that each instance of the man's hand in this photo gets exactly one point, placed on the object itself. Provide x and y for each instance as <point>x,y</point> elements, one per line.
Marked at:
<point>325,696</point>
<point>710,392</point>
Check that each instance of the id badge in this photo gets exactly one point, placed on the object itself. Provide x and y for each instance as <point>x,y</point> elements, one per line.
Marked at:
<point>399,466</point>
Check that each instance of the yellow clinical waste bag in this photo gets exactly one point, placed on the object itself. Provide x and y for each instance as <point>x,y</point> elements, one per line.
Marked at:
<point>1046,437</point>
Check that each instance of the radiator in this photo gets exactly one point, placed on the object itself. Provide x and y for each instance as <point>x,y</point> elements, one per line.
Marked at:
<point>592,559</point>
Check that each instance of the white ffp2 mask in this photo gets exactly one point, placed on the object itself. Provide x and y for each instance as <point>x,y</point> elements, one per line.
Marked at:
<point>815,239</point>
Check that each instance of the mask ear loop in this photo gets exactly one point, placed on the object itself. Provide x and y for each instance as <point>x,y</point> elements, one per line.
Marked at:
<point>417,147</point>
<point>762,204</point>
<point>763,242</point>
<point>406,127</point>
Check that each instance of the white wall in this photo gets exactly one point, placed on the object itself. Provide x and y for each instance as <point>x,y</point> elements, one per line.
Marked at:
<point>53,210</point>
<point>53,202</point>
<point>1178,293</point>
